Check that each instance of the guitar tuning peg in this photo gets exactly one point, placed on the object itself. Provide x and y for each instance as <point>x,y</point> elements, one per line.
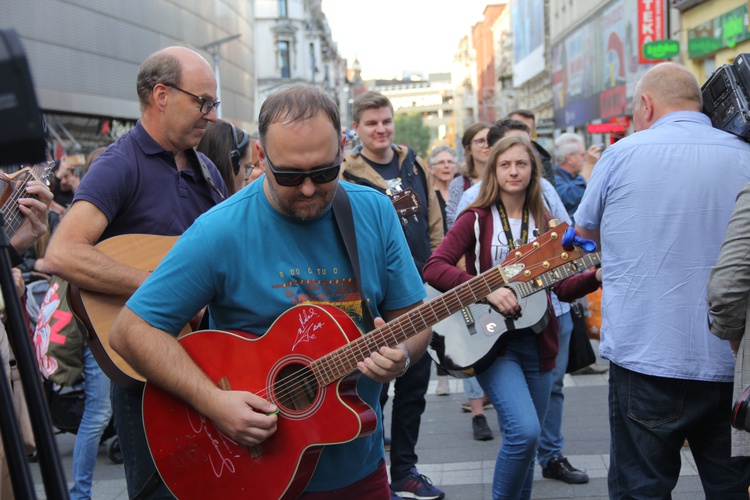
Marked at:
<point>517,243</point>
<point>554,222</point>
<point>415,218</point>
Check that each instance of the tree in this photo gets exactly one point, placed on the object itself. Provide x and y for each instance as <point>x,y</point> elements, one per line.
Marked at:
<point>411,131</point>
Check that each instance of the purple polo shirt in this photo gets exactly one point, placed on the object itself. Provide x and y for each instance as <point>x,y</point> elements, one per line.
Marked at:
<point>137,186</point>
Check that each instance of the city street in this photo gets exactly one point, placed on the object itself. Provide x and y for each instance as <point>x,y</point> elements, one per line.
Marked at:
<point>461,466</point>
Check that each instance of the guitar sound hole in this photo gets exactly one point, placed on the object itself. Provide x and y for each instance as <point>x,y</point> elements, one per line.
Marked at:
<point>295,387</point>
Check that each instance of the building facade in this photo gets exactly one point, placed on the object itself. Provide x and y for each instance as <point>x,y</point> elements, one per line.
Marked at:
<point>294,44</point>
<point>84,57</point>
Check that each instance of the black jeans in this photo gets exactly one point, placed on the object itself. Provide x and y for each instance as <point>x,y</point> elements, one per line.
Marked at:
<point>406,415</point>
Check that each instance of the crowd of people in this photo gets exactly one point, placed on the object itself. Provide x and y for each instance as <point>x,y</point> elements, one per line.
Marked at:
<point>321,227</point>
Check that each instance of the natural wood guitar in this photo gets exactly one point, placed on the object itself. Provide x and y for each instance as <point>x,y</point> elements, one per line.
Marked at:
<point>306,364</point>
<point>97,311</point>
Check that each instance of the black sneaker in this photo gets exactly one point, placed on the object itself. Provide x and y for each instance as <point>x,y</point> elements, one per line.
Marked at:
<point>482,431</point>
<point>559,468</point>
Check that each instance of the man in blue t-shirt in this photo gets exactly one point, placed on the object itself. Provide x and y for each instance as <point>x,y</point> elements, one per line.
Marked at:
<point>272,246</point>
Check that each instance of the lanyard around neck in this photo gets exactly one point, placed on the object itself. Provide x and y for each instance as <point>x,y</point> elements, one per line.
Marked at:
<point>506,225</point>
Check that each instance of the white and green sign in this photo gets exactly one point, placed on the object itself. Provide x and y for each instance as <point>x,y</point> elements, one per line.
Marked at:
<point>721,32</point>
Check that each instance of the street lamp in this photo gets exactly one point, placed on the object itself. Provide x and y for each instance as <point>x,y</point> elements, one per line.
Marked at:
<point>214,48</point>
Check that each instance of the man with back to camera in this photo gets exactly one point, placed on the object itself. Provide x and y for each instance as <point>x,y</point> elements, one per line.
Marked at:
<point>573,170</point>
<point>379,164</point>
<point>148,182</point>
<point>287,220</point>
<point>659,202</point>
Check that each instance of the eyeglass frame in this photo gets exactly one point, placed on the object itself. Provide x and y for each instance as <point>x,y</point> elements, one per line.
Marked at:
<point>305,175</point>
<point>248,169</point>
<point>203,100</point>
<point>480,141</point>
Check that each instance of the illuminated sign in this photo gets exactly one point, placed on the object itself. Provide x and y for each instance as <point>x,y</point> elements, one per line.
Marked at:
<point>721,32</point>
<point>650,24</point>
<point>661,49</point>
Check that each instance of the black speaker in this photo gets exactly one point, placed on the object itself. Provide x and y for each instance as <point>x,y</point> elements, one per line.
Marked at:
<point>21,127</point>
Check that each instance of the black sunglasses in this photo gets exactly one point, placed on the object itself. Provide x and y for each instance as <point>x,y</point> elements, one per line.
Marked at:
<point>206,104</point>
<point>293,178</point>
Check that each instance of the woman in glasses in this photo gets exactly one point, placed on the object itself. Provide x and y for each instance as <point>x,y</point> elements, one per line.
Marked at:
<point>509,212</point>
<point>230,149</point>
<point>476,152</point>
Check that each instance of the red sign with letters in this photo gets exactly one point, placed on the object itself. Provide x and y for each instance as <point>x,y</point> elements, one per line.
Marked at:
<point>650,25</point>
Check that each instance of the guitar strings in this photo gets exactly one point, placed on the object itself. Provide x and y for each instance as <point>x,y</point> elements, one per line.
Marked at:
<point>289,385</point>
<point>14,217</point>
<point>396,329</point>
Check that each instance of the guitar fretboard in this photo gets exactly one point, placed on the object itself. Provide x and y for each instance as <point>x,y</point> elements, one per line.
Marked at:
<point>558,274</point>
<point>343,361</point>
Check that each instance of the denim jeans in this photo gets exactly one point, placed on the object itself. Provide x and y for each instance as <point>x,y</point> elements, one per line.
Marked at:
<point>520,392</point>
<point>650,418</point>
<point>139,466</point>
<point>472,389</point>
<point>551,441</point>
<point>406,415</point>
<point>96,415</point>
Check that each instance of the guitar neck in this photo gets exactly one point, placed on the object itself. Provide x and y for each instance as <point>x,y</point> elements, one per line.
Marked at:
<point>11,213</point>
<point>344,360</point>
<point>558,274</point>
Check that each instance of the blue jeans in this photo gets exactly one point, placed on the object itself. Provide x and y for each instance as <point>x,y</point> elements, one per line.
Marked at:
<point>96,415</point>
<point>519,391</point>
<point>139,466</point>
<point>551,441</point>
<point>650,418</point>
<point>472,388</point>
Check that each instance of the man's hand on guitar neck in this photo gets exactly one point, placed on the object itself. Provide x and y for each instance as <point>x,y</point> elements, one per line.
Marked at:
<point>34,208</point>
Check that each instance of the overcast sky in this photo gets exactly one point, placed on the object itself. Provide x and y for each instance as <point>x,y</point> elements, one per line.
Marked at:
<point>392,36</point>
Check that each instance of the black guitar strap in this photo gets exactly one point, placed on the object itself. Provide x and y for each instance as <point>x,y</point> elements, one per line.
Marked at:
<point>342,212</point>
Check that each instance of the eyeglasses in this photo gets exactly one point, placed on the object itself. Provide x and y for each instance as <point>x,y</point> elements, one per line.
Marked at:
<point>206,104</point>
<point>289,178</point>
<point>482,141</point>
<point>248,169</point>
<point>444,163</point>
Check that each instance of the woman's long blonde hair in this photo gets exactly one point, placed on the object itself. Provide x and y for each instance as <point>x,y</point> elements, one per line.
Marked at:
<point>489,193</point>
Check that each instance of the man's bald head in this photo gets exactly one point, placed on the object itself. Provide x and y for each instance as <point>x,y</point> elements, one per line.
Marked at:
<point>669,87</point>
<point>166,66</point>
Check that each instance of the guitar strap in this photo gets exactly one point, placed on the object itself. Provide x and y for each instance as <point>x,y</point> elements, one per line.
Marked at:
<point>206,174</point>
<point>342,212</point>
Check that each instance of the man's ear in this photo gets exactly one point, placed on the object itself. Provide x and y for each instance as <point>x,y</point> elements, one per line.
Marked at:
<point>648,108</point>
<point>261,155</point>
<point>159,93</point>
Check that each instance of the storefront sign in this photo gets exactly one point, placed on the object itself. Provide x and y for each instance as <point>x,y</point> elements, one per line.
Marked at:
<point>721,32</point>
<point>613,102</point>
<point>650,24</point>
<point>616,126</point>
<point>661,49</point>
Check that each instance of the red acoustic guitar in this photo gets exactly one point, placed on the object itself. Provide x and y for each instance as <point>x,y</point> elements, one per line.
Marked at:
<point>306,364</point>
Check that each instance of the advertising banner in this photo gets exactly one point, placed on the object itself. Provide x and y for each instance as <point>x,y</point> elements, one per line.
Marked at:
<point>527,18</point>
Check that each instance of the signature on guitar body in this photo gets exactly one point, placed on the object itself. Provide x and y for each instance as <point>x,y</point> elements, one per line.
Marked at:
<point>305,364</point>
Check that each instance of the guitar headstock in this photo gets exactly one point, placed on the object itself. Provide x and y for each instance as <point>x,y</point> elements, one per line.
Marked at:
<point>539,256</point>
<point>406,202</point>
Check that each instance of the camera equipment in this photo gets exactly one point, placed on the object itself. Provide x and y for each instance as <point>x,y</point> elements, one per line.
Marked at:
<point>725,97</point>
<point>740,415</point>
<point>21,130</point>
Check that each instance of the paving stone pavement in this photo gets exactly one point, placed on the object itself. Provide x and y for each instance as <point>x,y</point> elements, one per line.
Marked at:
<point>460,466</point>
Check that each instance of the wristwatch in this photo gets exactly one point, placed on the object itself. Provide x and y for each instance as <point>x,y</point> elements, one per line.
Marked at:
<point>408,360</point>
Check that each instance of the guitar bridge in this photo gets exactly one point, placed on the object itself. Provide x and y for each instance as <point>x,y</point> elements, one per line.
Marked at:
<point>468,317</point>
